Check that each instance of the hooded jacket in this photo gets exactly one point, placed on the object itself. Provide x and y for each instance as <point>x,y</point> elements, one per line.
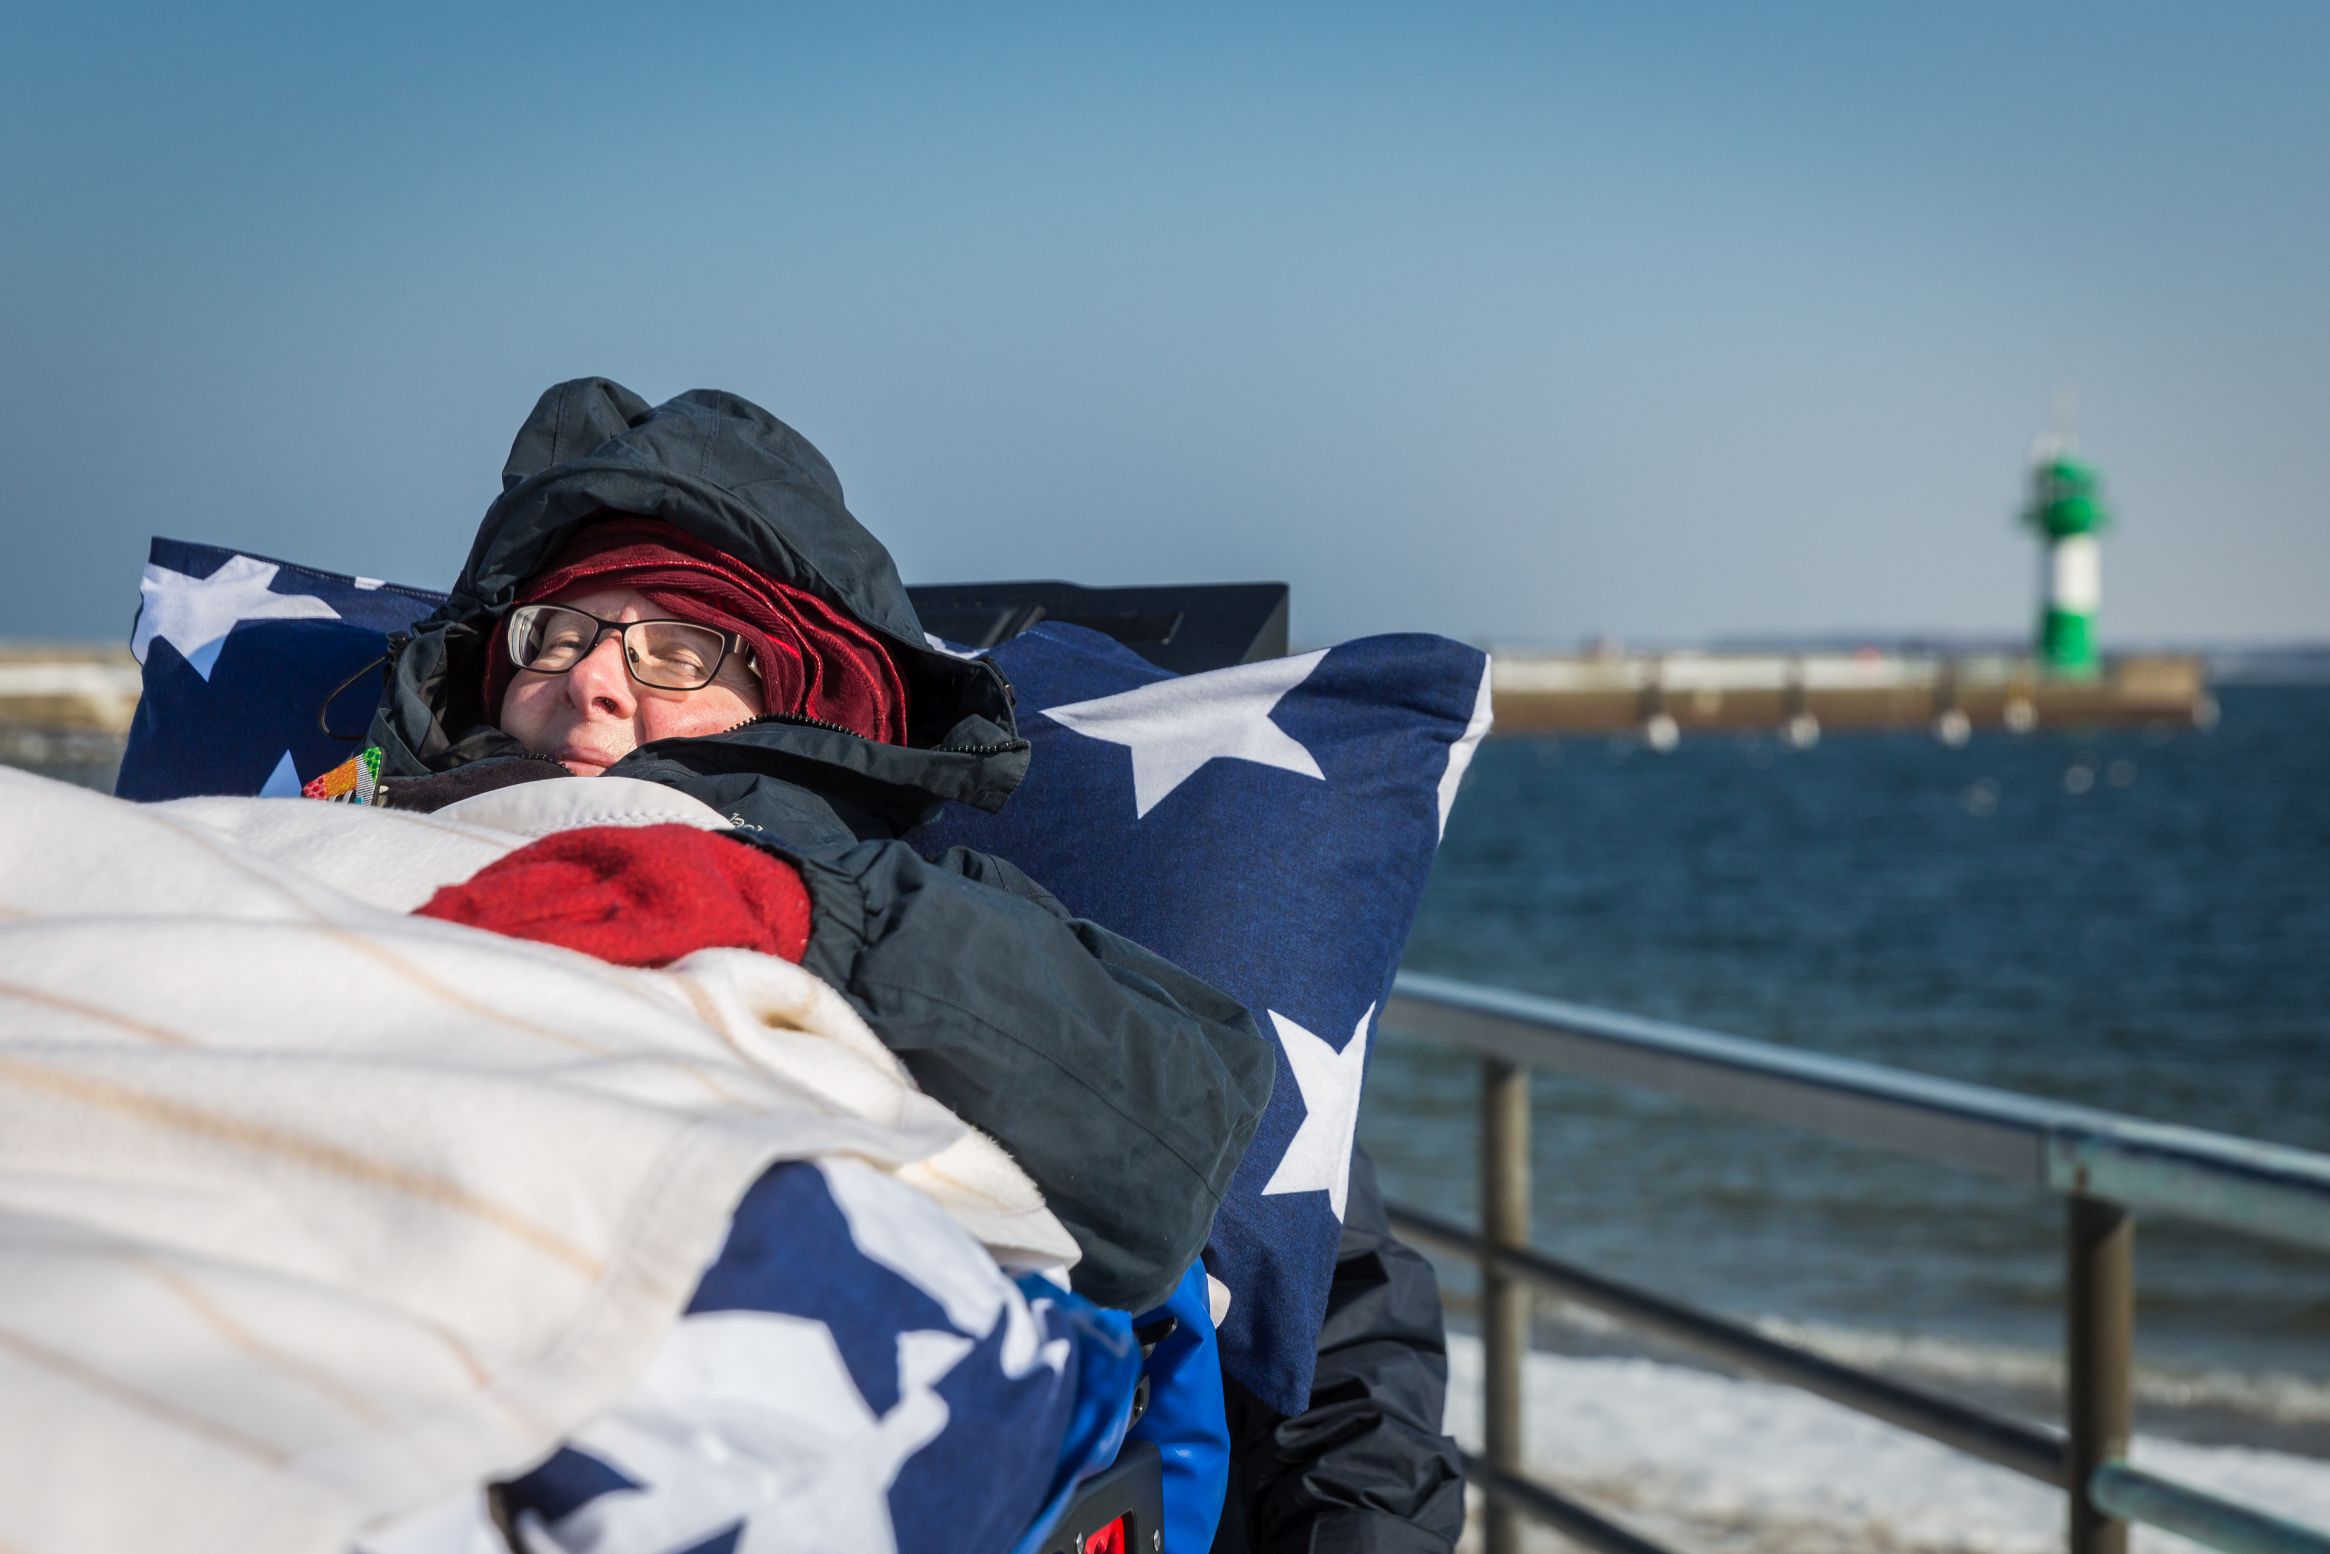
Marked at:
<point>1126,1087</point>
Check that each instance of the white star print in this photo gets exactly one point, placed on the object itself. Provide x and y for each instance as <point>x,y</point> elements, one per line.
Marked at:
<point>1460,754</point>
<point>915,1239</point>
<point>194,614</point>
<point>752,1420</point>
<point>1318,1158</point>
<point>1173,727</point>
<point>748,1416</point>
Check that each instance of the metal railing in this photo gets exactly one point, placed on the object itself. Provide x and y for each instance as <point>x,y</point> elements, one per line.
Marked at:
<point>2106,1166</point>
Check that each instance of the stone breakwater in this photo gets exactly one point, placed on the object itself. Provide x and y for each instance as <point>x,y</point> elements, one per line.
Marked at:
<point>64,704</point>
<point>1665,696</point>
<point>67,687</point>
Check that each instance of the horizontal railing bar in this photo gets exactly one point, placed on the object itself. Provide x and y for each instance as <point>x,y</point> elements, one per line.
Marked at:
<point>1579,1523</point>
<point>1831,1095</point>
<point>2130,1492</point>
<point>2265,1189</point>
<point>2031,1450</point>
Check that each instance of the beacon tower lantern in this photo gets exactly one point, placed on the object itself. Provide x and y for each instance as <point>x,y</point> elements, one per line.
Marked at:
<point>2066,512</point>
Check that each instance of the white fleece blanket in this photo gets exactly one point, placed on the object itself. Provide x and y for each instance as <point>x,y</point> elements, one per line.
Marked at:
<point>312,1212</point>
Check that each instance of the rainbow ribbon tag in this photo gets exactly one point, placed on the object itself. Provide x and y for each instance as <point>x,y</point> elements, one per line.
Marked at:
<point>353,781</point>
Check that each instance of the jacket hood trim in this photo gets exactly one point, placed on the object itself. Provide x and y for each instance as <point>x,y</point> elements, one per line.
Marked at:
<point>785,518</point>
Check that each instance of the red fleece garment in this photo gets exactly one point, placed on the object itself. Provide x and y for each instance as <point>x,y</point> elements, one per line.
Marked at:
<point>636,895</point>
<point>815,659</point>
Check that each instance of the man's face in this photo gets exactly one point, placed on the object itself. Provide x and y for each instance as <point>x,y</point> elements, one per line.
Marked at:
<point>593,715</point>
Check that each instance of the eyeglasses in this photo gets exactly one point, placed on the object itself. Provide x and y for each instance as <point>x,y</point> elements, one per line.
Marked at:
<point>668,655</point>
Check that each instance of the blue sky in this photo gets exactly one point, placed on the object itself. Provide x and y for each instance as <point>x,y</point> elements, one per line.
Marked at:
<point>1514,323</point>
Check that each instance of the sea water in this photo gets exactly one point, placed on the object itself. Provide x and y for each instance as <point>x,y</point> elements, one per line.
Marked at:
<point>2138,921</point>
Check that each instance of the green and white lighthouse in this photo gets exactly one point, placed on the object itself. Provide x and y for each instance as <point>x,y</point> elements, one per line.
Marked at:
<point>2068,515</point>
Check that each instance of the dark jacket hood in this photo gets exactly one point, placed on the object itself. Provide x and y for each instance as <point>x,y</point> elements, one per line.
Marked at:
<point>730,473</point>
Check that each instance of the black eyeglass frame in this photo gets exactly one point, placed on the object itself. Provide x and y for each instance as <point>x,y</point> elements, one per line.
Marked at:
<point>525,614</point>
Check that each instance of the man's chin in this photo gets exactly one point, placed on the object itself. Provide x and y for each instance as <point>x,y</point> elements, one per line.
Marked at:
<point>586,765</point>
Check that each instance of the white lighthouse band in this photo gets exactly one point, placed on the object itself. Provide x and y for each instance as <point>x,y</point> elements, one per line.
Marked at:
<point>2074,574</point>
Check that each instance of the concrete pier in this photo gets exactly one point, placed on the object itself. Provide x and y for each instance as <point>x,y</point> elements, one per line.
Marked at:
<point>75,688</point>
<point>1800,696</point>
<point>65,705</point>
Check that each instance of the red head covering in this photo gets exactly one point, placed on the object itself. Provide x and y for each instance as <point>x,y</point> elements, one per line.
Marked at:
<point>815,661</point>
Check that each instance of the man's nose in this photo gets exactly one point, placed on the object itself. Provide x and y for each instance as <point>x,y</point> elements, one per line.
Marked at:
<point>601,683</point>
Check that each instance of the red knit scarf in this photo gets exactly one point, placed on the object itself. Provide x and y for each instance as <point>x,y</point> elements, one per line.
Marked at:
<point>815,661</point>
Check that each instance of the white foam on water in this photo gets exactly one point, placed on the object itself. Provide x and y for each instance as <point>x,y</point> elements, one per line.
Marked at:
<point>2275,1397</point>
<point>1709,1462</point>
<point>2282,1399</point>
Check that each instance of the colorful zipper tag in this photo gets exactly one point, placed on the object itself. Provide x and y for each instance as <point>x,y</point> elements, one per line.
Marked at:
<point>353,781</point>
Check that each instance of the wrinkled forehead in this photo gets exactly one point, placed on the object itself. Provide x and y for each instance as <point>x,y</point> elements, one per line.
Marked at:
<point>613,604</point>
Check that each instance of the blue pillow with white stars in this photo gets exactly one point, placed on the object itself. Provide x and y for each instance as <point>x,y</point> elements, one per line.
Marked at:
<point>250,669</point>
<point>1269,827</point>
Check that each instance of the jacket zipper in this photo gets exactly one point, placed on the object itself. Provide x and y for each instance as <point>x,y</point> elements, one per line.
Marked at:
<point>380,789</point>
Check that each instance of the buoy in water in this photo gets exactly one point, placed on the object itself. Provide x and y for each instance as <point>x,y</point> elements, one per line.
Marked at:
<point>1661,732</point>
<point>1952,727</point>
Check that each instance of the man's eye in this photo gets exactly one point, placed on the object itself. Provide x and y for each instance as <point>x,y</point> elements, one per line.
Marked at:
<point>678,650</point>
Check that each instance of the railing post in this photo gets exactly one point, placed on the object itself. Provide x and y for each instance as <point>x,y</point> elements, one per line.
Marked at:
<point>2099,1333</point>
<point>1504,1299</point>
